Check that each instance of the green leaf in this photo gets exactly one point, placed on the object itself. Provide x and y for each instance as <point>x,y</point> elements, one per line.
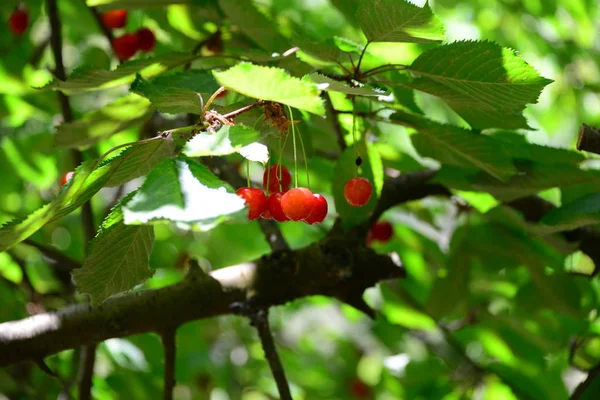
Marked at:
<point>399,21</point>
<point>85,78</point>
<point>118,260</point>
<point>274,84</point>
<point>227,140</point>
<point>460,147</point>
<point>519,148</point>
<point>325,50</point>
<point>113,118</point>
<point>484,83</point>
<point>581,212</point>
<point>345,169</point>
<point>182,190</point>
<point>131,163</point>
<point>177,93</point>
<point>254,24</point>
<point>328,84</point>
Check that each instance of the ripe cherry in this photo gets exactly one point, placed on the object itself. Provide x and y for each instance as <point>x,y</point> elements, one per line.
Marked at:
<point>266,214</point>
<point>255,200</point>
<point>359,389</point>
<point>274,207</point>
<point>146,39</point>
<point>222,94</point>
<point>382,231</point>
<point>66,178</point>
<point>18,21</point>
<point>319,211</point>
<point>358,191</point>
<point>115,19</point>
<point>125,46</point>
<point>277,179</point>
<point>297,203</point>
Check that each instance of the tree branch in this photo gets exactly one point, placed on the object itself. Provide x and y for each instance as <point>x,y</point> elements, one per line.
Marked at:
<point>582,387</point>
<point>261,322</point>
<point>168,341</point>
<point>333,267</point>
<point>333,116</point>
<point>98,17</point>
<point>86,371</point>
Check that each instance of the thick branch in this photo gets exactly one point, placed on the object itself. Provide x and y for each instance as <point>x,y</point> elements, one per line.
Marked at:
<point>86,371</point>
<point>333,267</point>
<point>582,387</point>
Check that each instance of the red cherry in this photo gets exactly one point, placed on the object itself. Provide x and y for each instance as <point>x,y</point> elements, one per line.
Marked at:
<point>359,389</point>
<point>115,19</point>
<point>274,207</point>
<point>277,179</point>
<point>381,231</point>
<point>358,191</point>
<point>255,200</point>
<point>66,178</point>
<point>18,21</point>
<point>266,214</point>
<point>297,203</point>
<point>125,46</point>
<point>319,211</point>
<point>223,94</point>
<point>146,39</point>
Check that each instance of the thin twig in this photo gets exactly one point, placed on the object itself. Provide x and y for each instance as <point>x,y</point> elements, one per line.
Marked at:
<point>88,353</point>
<point>38,52</point>
<point>169,344</point>
<point>261,321</point>
<point>86,371</point>
<point>362,54</point>
<point>98,17</point>
<point>333,116</point>
<point>242,110</point>
<point>582,387</point>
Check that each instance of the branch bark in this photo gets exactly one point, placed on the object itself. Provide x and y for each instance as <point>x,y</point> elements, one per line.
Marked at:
<point>582,387</point>
<point>168,341</point>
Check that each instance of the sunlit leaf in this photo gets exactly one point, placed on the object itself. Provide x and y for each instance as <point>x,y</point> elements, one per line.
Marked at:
<point>274,84</point>
<point>328,84</point>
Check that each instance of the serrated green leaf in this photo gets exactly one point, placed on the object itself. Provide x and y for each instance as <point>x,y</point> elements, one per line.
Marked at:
<point>181,190</point>
<point>255,25</point>
<point>177,93</point>
<point>227,140</point>
<point>85,78</point>
<point>460,147</point>
<point>328,84</point>
<point>581,212</point>
<point>325,50</point>
<point>274,84</point>
<point>117,261</point>
<point>345,169</point>
<point>131,163</point>
<point>399,21</point>
<point>98,125</point>
<point>519,148</point>
<point>484,83</point>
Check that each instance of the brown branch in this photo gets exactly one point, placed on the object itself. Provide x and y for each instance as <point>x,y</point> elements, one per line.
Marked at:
<point>261,322</point>
<point>242,110</point>
<point>105,30</point>
<point>588,139</point>
<point>333,267</point>
<point>87,214</point>
<point>86,371</point>
<point>169,344</point>
<point>583,386</point>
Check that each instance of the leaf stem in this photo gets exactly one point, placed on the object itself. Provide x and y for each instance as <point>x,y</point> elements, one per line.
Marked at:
<point>362,54</point>
<point>210,100</point>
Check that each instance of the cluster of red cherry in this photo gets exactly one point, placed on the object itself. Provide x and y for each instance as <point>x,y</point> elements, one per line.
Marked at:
<point>126,45</point>
<point>283,204</point>
<point>19,20</point>
<point>297,204</point>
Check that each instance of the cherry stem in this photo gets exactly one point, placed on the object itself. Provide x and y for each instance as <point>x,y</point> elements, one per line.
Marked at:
<point>354,129</point>
<point>210,100</point>
<point>248,173</point>
<point>294,141</point>
<point>305,161</point>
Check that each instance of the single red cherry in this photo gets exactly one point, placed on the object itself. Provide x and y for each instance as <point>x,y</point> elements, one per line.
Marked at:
<point>358,191</point>
<point>266,214</point>
<point>319,211</point>
<point>19,21</point>
<point>297,203</point>
<point>277,179</point>
<point>255,200</point>
<point>66,178</point>
<point>274,207</point>
<point>382,231</point>
<point>125,46</point>
<point>146,39</point>
<point>359,389</point>
<point>115,19</point>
